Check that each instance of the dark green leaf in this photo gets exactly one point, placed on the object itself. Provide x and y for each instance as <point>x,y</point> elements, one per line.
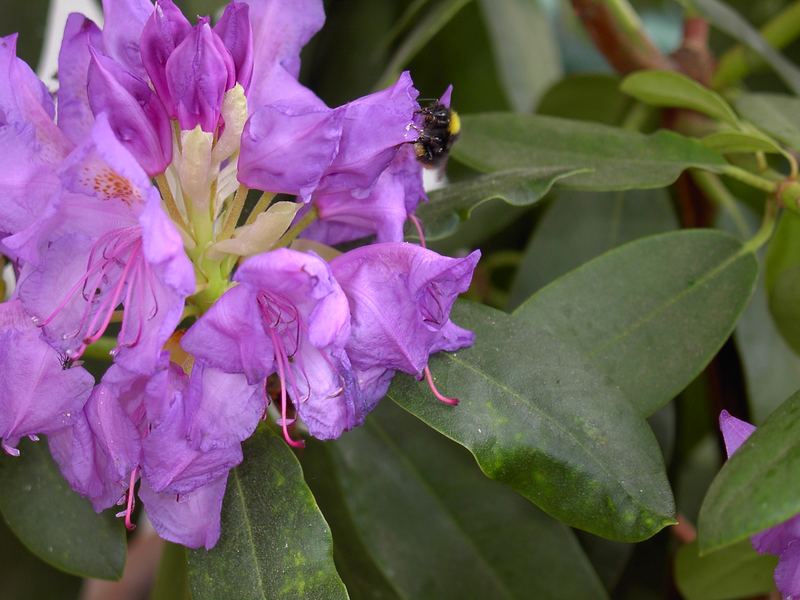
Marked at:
<point>782,278</point>
<point>436,18</point>
<point>590,223</point>
<point>454,203</point>
<point>735,572</point>
<point>751,492</point>
<point>726,19</point>
<point>675,90</point>
<point>274,543</point>
<point>651,314</point>
<point>525,49</point>
<point>435,526</point>
<point>553,396</point>
<point>619,159</point>
<point>54,522</point>
<point>567,99</point>
<point>25,576</point>
<point>539,416</point>
<point>172,581</point>
<point>28,19</point>
<point>776,114</point>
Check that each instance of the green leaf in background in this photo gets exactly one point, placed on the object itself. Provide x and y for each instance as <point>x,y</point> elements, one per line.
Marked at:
<point>433,525</point>
<point>28,19</point>
<point>734,572</point>
<point>726,19</point>
<point>525,50</point>
<point>675,90</point>
<point>731,142</point>
<point>582,225</point>
<point>776,114</point>
<point>567,99</point>
<point>550,395</point>
<point>782,278</point>
<point>450,205</point>
<point>540,417</point>
<point>54,522</point>
<point>652,313</point>
<point>619,159</point>
<point>172,580</point>
<point>275,542</point>
<point>754,490</point>
<point>427,27</point>
<point>25,576</point>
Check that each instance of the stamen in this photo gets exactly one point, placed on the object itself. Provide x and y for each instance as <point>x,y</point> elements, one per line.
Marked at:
<point>131,501</point>
<point>279,359</point>
<point>439,396</point>
<point>420,233</point>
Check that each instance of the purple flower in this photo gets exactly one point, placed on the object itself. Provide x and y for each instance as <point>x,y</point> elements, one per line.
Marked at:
<point>33,146</point>
<point>383,213</point>
<point>288,316</point>
<point>136,426</point>
<point>420,286</point>
<point>107,243</point>
<point>39,394</point>
<point>198,73</point>
<point>782,540</point>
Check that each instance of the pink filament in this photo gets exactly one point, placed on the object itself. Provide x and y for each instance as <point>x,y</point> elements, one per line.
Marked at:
<point>418,225</point>
<point>131,501</point>
<point>439,396</point>
<point>120,247</point>
<point>279,359</point>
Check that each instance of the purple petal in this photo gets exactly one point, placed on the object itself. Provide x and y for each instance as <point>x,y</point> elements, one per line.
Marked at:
<point>418,284</point>
<point>734,431</point>
<point>198,72</point>
<point>306,282</point>
<point>164,30</point>
<point>124,22</point>
<point>37,395</point>
<point>191,519</point>
<point>98,454</point>
<point>235,32</point>
<point>227,336</point>
<point>374,128</point>
<point>224,408</point>
<point>383,213</point>
<point>447,96</point>
<point>170,463</point>
<point>135,113</point>
<point>288,145</point>
<point>775,539</point>
<point>75,116</point>
<point>787,573</point>
<point>23,98</point>
<point>280,30</point>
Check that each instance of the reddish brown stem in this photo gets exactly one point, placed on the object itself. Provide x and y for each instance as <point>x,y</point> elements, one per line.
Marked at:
<point>625,51</point>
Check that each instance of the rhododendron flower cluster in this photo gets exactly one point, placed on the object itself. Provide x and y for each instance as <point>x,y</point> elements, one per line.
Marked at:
<point>123,216</point>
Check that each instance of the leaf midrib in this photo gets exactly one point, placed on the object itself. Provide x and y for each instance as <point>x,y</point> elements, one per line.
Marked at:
<point>250,535</point>
<point>438,499</point>
<point>521,400</point>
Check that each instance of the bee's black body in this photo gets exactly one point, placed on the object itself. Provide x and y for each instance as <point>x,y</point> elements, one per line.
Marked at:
<point>440,128</point>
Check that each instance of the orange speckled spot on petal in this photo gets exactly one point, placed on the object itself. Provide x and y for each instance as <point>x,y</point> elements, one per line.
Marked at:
<point>109,185</point>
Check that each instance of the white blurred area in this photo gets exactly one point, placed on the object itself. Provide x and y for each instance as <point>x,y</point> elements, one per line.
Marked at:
<point>56,19</point>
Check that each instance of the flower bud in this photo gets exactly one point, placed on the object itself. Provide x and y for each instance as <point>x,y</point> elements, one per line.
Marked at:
<point>236,33</point>
<point>164,30</point>
<point>199,71</point>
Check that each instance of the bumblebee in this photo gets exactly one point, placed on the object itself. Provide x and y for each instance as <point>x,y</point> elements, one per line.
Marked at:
<point>440,128</point>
